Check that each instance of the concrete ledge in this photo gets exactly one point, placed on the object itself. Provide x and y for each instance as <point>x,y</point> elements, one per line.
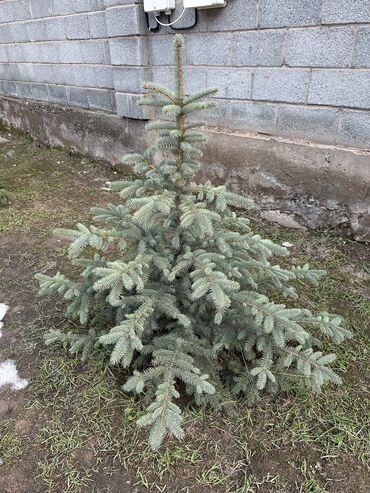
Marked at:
<point>314,185</point>
<point>96,133</point>
<point>322,185</point>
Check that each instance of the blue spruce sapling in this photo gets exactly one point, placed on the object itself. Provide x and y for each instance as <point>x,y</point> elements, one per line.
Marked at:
<point>177,288</point>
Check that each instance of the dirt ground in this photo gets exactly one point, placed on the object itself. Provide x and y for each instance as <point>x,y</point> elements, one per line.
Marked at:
<point>73,429</point>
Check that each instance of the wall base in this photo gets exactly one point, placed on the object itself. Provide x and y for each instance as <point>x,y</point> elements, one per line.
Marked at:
<point>300,184</point>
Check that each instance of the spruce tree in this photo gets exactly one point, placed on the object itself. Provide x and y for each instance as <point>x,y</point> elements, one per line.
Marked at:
<point>176,287</point>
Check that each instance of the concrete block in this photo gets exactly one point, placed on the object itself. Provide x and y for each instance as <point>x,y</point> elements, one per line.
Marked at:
<point>231,82</point>
<point>70,52</point>
<point>21,10</point>
<point>14,71</point>
<point>345,11</point>
<point>340,88</point>
<point>217,115</point>
<point>26,72</point>
<point>55,28</point>
<point>239,14</point>
<point>6,12</point>
<point>255,117</point>
<point>23,90</point>
<point>3,70</point>
<point>98,25</point>
<point>4,32</point>
<point>281,84</point>
<point>130,79</point>
<point>18,33</point>
<point>321,47</point>
<point>95,51</point>
<point>63,7</point>
<point>63,74</point>
<point>84,75</point>
<point>9,88</point>
<point>42,8</point>
<point>164,76</point>
<point>31,52</point>
<point>127,106</point>
<point>11,54</point>
<point>16,53</point>
<point>289,13</point>
<point>354,129</point>
<point>100,99</point>
<point>361,56</point>
<point>77,96</point>
<point>209,49</point>
<point>258,48</point>
<point>104,77</point>
<point>77,26</point>
<point>196,78</point>
<point>3,53</point>
<point>36,30</point>
<point>160,50</point>
<point>6,71</point>
<point>49,52</point>
<point>128,51</point>
<point>39,91</point>
<point>316,124</point>
<point>57,94</point>
<point>127,20</point>
<point>43,72</point>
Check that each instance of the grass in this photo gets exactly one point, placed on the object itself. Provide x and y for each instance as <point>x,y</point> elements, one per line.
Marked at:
<point>10,444</point>
<point>81,434</point>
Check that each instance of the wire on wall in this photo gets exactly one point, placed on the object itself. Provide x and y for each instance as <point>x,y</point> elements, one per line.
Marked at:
<point>196,16</point>
<point>152,29</point>
<point>170,23</point>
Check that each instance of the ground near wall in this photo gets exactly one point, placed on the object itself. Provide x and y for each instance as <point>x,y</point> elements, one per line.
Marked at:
<point>73,430</point>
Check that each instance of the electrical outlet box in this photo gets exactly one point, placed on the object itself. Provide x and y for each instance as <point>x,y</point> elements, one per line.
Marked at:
<point>159,5</point>
<point>204,4</point>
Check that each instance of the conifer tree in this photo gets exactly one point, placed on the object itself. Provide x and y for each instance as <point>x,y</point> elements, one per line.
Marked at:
<point>176,287</point>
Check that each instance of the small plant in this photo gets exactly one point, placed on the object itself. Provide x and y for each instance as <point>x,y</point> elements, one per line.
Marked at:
<point>179,290</point>
<point>5,196</point>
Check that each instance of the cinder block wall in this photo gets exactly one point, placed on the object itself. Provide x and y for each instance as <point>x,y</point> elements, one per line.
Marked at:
<point>56,51</point>
<point>290,68</point>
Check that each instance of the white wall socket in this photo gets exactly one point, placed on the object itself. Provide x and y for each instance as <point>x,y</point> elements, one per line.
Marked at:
<point>159,5</point>
<point>204,4</point>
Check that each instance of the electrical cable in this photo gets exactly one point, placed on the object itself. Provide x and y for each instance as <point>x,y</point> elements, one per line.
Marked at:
<point>171,23</point>
<point>151,28</point>
<point>185,28</point>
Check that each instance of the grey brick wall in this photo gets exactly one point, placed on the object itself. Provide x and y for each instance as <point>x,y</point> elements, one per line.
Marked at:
<point>56,51</point>
<point>290,68</point>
